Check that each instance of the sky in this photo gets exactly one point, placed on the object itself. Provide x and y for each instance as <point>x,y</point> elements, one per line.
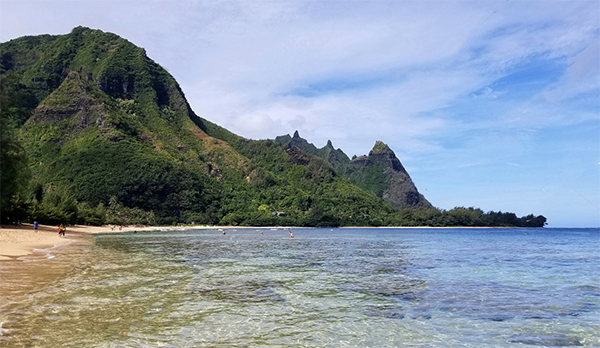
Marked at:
<point>489,104</point>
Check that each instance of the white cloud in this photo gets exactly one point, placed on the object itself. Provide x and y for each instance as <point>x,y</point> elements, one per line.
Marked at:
<point>438,54</point>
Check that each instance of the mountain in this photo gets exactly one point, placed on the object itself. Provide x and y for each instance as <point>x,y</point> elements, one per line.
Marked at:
<point>108,132</point>
<point>380,173</point>
<point>94,131</point>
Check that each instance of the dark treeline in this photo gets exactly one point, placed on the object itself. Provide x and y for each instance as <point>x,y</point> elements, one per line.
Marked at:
<point>470,217</point>
<point>59,206</point>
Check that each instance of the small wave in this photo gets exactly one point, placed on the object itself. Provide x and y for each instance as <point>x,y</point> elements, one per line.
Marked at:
<point>48,251</point>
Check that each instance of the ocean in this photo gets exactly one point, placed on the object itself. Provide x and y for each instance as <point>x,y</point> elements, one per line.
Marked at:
<point>347,287</point>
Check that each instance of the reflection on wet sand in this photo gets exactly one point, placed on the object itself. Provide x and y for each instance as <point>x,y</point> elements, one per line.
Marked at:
<point>23,278</point>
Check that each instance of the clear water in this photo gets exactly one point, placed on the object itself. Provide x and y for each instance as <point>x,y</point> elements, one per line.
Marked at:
<point>324,288</point>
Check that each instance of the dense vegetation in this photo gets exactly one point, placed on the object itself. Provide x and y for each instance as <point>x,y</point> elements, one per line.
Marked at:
<point>93,131</point>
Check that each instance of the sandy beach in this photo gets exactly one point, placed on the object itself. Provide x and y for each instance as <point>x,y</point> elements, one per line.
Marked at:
<point>18,241</point>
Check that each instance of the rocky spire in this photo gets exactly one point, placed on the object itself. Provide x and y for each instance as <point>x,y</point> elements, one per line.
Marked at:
<point>380,148</point>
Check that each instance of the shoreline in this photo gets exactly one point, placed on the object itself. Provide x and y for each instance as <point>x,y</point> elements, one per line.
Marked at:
<point>16,241</point>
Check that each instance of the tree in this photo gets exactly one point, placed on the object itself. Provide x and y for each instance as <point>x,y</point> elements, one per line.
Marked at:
<point>14,173</point>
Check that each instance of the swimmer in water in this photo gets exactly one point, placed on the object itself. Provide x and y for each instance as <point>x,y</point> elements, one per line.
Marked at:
<point>291,234</point>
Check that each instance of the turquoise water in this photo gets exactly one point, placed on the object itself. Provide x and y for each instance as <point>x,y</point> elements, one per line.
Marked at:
<point>323,288</point>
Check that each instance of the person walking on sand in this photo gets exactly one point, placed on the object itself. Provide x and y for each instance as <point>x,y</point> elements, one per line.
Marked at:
<point>35,226</point>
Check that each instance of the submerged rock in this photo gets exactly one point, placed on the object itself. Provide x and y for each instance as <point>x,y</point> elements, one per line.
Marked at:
<point>555,340</point>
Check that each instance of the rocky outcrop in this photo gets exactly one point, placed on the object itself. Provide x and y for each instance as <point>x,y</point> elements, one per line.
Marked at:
<point>380,173</point>
<point>70,101</point>
<point>297,156</point>
<point>332,155</point>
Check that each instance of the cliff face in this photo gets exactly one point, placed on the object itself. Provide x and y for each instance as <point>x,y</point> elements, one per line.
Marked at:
<point>399,190</point>
<point>380,173</point>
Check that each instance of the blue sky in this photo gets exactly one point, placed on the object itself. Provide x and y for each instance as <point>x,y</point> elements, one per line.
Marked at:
<point>492,104</point>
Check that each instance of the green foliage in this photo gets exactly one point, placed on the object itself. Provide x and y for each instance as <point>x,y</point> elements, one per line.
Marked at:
<point>380,147</point>
<point>462,217</point>
<point>14,172</point>
<point>56,206</point>
<point>118,214</point>
<point>91,216</point>
<point>136,176</point>
<point>369,178</point>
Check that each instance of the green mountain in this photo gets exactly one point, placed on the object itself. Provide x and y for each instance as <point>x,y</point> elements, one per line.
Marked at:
<point>105,128</point>
<point>379,173</point>
<point>94,131</point>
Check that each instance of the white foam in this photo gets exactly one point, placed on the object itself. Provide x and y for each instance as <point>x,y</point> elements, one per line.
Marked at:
<point>48,251</point>
<point>2,331</point>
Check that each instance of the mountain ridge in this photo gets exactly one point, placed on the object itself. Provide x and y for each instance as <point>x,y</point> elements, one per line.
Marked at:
<point>107,136</point>
<point>380,172</point>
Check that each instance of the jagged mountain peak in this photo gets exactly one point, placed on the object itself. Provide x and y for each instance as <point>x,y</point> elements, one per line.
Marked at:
<point>380,173</point>
<point>380,147</point>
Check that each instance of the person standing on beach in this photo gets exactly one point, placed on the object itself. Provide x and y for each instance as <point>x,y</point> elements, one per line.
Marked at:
<point>35,226</point>
<point>61,230</point>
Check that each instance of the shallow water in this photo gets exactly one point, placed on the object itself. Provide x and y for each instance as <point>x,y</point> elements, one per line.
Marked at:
<point>324,288</point>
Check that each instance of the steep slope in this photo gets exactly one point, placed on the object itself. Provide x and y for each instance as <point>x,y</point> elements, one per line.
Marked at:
<point>106,124</point>
<point>380,173</point>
